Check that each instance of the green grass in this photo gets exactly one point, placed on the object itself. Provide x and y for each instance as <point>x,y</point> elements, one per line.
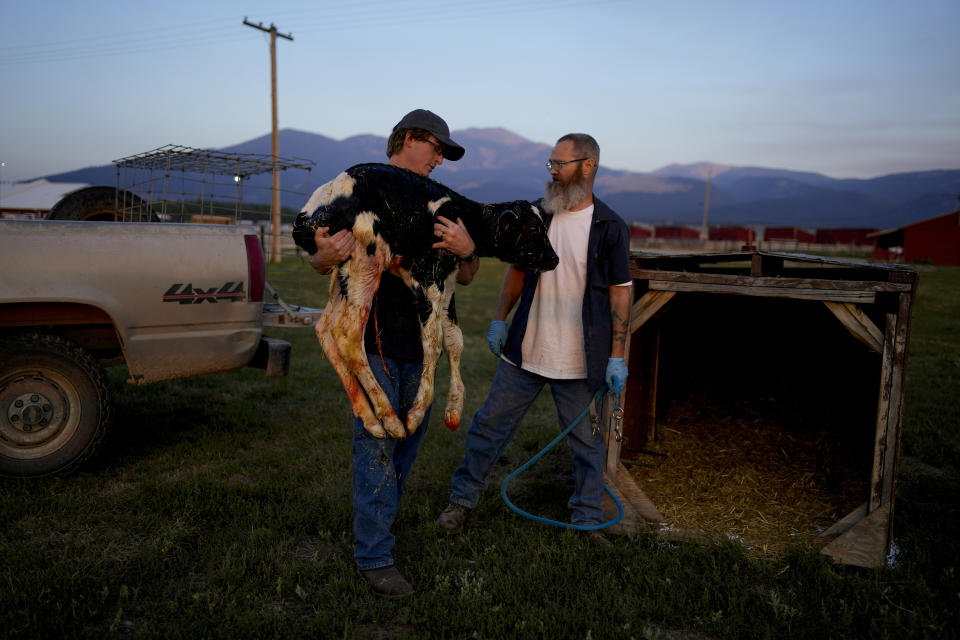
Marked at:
<point>220,508</point>
<point>932,408</point>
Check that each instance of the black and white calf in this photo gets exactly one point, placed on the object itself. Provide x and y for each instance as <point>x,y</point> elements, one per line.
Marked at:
<point>391,212</point>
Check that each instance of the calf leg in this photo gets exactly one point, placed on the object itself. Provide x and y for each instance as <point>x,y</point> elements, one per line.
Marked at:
<point>453,345</point>
<point>341,333</point>
<point>349,332</point>
<point>331,316</point>
<point>378,401</point>
<point>340,344</point>
<point>431,336</point>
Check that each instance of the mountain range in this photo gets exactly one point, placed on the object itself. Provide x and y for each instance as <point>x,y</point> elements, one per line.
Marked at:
<point>500,166</point>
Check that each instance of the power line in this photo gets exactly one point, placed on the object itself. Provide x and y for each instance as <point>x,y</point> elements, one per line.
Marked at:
<point>357,15</point>
<point>467,9</point>
<point>118,50</point>
<point>136,35</point>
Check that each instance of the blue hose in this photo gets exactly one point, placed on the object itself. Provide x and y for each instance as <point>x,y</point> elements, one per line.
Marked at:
<point>528,463</point>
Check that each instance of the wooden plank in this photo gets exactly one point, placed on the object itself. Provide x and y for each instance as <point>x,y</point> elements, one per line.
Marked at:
<point>865,543</point>
<point>761,265</point>
<point>629,523</point>
<point>639,423</point>
<point>611,452</point>
<point>647,306</point>
<point>613,444</point>
<point>857,323</point>
<point>895,412</point>
<point>642,384</point>
<point>836,295</point>
<point>638,509</point>
<point>775,283</point>
<point>843,525</point>
<point>883,416</point>
<point>905,275</point>
<point>839,268</point>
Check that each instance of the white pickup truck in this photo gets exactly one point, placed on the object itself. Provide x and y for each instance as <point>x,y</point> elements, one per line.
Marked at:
<point>168,300</point>
<point>103,281</point>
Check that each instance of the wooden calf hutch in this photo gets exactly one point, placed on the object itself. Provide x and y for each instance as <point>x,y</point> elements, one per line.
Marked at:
<point>764,398</point>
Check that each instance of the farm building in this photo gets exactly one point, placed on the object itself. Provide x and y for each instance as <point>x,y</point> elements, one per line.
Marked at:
<point>856,237</point>
<point>677,232</point>
<point>639,230</point>
<point>33,199</point>
<point>789,234</point>
<point>935,240</point>
<point>737,234</point>
<point>764,401</point>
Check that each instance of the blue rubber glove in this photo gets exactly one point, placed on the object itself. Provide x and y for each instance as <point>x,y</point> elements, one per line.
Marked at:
<point>616,375</point>
<point>497,336</point>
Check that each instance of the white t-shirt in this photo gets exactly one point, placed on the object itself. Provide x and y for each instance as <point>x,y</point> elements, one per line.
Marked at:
<point>553,341</point>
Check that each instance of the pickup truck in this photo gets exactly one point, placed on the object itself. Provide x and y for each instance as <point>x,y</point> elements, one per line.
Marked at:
<point>168,300</point>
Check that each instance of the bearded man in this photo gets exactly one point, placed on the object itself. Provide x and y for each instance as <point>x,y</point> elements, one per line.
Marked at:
<point>568,332</point>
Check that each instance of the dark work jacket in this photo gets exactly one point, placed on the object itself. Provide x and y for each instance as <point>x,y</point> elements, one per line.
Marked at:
<point>608,264</point>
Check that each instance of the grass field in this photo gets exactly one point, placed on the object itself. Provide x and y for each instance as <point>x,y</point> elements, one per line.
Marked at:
<point>220,508</point>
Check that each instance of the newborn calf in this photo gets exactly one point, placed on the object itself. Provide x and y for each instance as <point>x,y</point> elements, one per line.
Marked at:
<point>391,212</point>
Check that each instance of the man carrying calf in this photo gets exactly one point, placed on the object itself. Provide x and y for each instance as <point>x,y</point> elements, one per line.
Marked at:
<point>394,215</point>
<point>419,143</point>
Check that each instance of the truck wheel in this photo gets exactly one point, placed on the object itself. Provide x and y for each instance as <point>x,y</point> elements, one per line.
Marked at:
<point>99,204</point>
<point>55,405</point>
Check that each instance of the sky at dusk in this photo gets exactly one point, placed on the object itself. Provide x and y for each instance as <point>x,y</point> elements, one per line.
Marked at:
<point>847,88</point>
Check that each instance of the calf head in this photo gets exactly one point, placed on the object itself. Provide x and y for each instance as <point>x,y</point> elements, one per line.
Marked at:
<point>518,235</point>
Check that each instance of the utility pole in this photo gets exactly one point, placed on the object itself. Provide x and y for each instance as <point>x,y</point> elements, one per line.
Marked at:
<point>275,200</point>
<point>704,233</point>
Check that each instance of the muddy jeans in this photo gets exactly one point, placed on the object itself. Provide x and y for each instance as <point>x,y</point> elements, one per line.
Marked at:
<point>381,465</point>
<point>512,392</point>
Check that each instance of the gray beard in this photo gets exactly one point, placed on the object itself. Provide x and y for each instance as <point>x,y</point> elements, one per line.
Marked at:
<point>559,197</point>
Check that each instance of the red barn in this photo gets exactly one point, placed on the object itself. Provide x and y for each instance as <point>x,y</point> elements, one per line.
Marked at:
<point>935,240</point>
<point>857,237</point>
<point>640,230</point>
<point>737,234</point>
<point>678,232</point>
<point>790,234</point>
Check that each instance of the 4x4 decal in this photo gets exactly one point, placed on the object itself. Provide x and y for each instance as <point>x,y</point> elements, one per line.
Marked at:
<point>188,294</point>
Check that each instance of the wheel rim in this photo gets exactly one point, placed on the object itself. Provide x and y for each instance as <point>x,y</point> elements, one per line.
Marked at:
<point>39,413</point>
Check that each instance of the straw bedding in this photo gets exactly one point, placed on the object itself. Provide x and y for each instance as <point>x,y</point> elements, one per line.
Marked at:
<point>767,475</point>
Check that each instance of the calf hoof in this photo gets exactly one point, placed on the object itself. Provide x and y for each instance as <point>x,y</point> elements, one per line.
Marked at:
<point>452,420</point>
<point>393,426</point>
<point>414,418</point>
<point>376,430</point>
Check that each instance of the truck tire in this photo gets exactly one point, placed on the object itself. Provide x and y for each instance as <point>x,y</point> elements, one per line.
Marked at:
<point>99,204</point>
<point>55,405</point>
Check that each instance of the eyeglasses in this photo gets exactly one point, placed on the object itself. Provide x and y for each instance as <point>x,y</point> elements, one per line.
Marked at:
<point>560,164</point>
<point>436,147</point>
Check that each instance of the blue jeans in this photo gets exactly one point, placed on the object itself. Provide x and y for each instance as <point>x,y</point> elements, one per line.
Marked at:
<point>381,465</point>
<point>495,423</point>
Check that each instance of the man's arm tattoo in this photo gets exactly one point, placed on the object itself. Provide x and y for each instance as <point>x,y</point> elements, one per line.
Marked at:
<point>619,327</point>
